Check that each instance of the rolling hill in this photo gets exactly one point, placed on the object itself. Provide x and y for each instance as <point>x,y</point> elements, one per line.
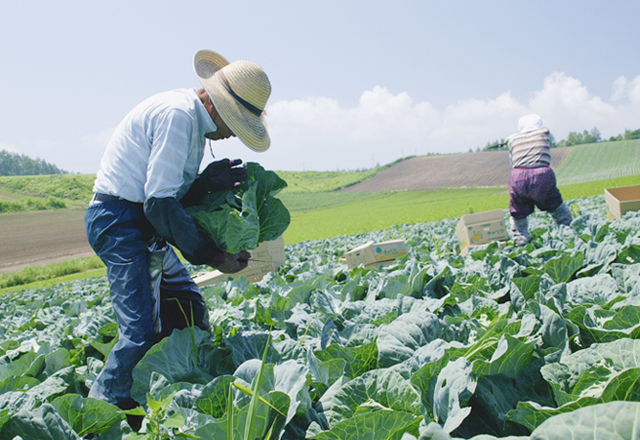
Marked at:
<point>487,168</point>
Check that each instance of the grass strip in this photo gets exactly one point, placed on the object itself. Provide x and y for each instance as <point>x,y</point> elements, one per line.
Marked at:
<point>94,273</point>
<point>30,275</point>
<point>301,201</point>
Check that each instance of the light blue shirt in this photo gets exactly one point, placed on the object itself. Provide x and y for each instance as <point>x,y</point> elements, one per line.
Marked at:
<point>157,149</point>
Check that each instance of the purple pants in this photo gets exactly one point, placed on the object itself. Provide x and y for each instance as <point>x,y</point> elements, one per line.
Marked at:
<point>530,187</point>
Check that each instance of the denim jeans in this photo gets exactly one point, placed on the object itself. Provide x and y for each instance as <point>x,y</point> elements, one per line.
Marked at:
<point>150,290</point>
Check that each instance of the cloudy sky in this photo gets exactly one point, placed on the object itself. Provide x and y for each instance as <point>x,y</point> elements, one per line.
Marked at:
<point>355,83</point>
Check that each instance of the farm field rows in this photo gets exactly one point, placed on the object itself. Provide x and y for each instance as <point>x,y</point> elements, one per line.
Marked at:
<point>347,213</point>
<point>32,237</point>
<point>533,342</point>
<point>486,168</point>
<point>604,160</point>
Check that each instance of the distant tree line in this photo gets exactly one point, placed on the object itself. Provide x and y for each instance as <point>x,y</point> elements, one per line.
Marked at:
<point>573,138</point>
<point>14,164</point>
<point>593,136</point>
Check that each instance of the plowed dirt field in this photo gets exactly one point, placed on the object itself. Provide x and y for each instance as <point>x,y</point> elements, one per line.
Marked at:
<point>487,168</point>
<point>41,237</point>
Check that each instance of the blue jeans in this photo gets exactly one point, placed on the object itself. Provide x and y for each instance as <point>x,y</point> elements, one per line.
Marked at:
<point>148,287</point>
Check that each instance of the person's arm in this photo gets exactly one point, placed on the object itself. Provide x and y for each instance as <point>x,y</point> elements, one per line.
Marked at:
<point>173,224</point>
<point>167,162</point>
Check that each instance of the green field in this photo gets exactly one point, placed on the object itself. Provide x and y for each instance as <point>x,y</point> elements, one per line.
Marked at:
<point>64,186</point>
<point>323,181</point>
<point>604,160</point>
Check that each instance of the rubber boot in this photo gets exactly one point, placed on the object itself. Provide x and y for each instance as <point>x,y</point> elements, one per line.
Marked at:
<point>562,215</point>
<point>520,231</point>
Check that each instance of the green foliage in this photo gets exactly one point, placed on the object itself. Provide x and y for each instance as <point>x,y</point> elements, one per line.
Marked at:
<point>31,274</point>
<point>31,204</point>
<point>301,201</point>
<point>87,415</point>
<point>14,164</point>
<point>586,137</point>
<point>322,181</point>
<point>628,135</point>
<point>162,422</point>
<point>77,187</point>
<point>389,209</point>
<point>537,341</point>
<point>240,219</point>
<point>631,134</point>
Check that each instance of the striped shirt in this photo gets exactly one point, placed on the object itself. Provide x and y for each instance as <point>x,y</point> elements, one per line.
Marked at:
<point>530,149</point>
<point>157,149</point>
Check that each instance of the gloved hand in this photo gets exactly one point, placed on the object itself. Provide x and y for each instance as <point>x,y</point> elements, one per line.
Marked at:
<point>222,174</point>
<point>230,263</point>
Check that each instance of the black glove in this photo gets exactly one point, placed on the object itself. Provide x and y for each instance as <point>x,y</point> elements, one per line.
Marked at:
<point>230,263</point>
<point>223,174</point>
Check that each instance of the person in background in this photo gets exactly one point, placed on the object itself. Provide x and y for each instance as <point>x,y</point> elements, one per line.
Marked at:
<point>147,176</point>
<point>532,182</point>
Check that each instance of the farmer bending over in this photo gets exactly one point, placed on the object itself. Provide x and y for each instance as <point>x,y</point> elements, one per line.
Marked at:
<point>148,175</point>
<point>532,182</point>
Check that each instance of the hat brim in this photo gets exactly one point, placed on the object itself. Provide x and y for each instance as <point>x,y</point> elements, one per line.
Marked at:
<point>248,127</point>
<point>207,62</point>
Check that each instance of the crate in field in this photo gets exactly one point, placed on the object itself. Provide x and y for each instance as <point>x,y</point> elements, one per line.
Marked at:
<point>481,228</point>
<point>371,253</point>
<point>266,258</point>
<point>621,200</point>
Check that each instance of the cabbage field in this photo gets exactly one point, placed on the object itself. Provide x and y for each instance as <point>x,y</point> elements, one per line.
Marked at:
<point>534,342</point>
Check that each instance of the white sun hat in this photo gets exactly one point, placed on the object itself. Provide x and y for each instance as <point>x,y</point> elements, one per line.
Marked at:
<point>239,91</point>
<point>529,122</point>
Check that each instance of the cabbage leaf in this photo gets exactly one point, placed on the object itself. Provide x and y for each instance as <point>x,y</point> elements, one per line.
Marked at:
<point>239,219</point>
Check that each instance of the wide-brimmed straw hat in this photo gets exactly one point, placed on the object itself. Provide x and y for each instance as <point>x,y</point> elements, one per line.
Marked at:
<point>239,91</point>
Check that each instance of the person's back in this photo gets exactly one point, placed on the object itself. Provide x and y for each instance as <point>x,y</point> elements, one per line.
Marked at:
<point>530,149</point>
<point>125,167</point>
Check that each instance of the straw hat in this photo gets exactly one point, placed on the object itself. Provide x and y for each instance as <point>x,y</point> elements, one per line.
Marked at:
<point>239,91</point>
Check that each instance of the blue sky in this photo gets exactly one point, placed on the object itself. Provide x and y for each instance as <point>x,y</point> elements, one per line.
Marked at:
<point>355,83</point>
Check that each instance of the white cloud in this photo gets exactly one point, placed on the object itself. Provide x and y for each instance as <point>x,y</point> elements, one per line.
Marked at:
<point>566,105</point>
<point>626,90</point>
<point>318,134</point>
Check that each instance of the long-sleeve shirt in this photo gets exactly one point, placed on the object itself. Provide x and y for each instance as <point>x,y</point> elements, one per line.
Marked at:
<point>530,149</point>
<point>153,158</point>
<point>157,149</point>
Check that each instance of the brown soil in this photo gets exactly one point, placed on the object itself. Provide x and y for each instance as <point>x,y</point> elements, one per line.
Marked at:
<point>43,237</point>
<point>487,168</point>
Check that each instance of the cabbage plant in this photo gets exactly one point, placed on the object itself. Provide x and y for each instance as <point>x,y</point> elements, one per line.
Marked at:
<point>239,219</point>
